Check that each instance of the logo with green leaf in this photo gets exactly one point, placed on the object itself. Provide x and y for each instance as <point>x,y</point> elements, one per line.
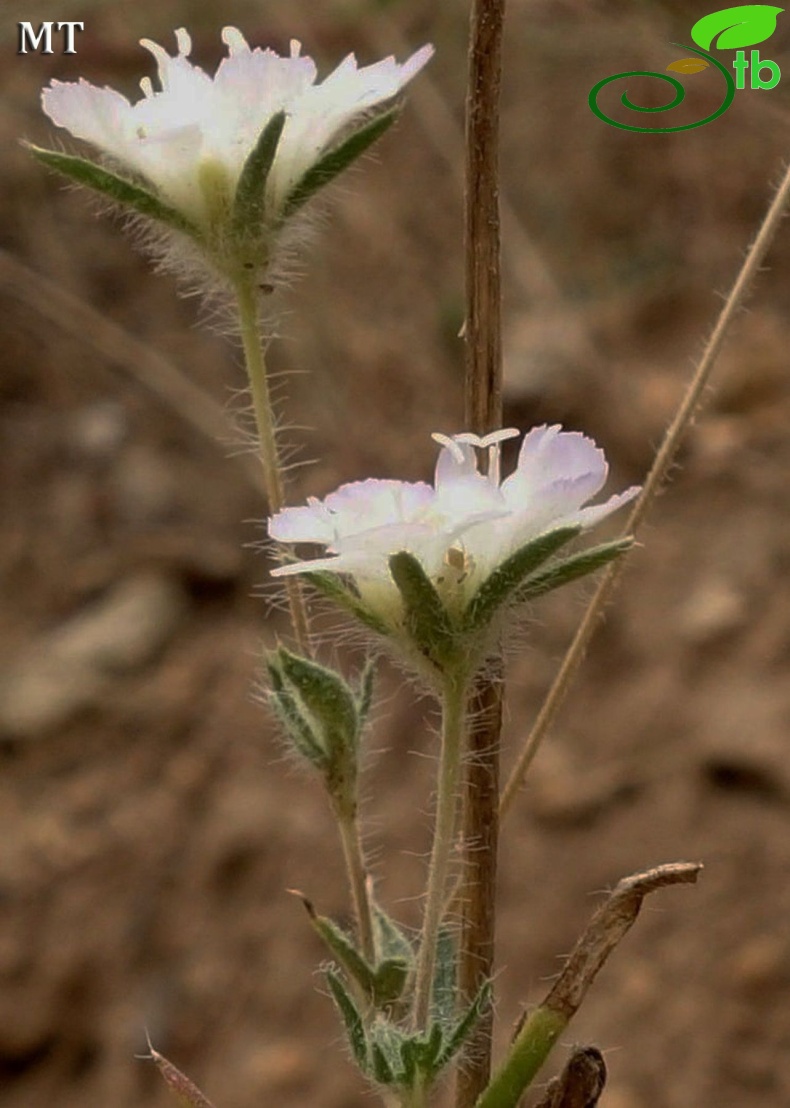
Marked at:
<point>745,25</point>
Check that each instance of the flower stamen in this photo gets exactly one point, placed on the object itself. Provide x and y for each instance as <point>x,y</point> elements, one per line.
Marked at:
<point>450,444</point>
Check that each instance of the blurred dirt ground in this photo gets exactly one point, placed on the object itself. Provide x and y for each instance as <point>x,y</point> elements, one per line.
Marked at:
<point>149,824</point>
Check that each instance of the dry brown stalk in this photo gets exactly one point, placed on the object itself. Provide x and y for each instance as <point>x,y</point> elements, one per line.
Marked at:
<point>581,1082</point>
<point>483,407</point>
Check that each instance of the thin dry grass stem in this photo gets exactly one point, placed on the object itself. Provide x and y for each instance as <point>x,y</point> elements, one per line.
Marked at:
<point>655,478</point>
<point>483,411</point>
<point>154,372</point>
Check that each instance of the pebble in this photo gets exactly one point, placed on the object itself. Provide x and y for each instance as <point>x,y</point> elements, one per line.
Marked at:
<point>714,610</point>
<point>67,668</point>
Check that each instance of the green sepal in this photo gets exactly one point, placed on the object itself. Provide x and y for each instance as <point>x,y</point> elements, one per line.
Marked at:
<point>465,1026</point>
<point>249,203</point>
<point>365,692</point>
<point>119,189</point>
<point>427,621</point>
<point>300,732</point>
<point>336,160</point>
<point>330,586</point>
<point>561,573</point>
<point>352,1020</point>
<point>325,695</point>
<point>501,585</point>
<point>443,992</point>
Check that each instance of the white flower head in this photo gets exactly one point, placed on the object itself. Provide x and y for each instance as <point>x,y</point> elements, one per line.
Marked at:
<point>191,136</point>
<point>463,527</point>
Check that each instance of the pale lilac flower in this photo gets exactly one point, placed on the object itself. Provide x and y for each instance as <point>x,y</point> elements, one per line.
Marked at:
<point>465,525</point>
<point>191,137</point>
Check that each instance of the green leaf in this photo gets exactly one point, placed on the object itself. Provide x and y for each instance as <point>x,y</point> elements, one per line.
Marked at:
<point>743,25</point>
<point>501,585</point>
<point>428,1052</point>
<point>419,1056</point>
<point>352,1020</point>
<point>443,994</point>
<point>119,189</point>
<point>427,620</point>
<point>330,586</point>
<point>335,161</point>
<point>385,1047</point>
<point>390,941</point>
<point>409,1056</point>
<point>465,1026</point>
<point>561,573</point>
<point>382,1070</point>
<point>390,980</point>
<point>433,1045</point>
<point>343,948</point>
<point>249,202</point>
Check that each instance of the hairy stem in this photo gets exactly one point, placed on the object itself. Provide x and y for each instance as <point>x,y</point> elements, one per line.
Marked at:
<point>247,304</point>
<point>483,405</point>
<point>655,479</point>
<point>453,727</point>
<point>357,880</point>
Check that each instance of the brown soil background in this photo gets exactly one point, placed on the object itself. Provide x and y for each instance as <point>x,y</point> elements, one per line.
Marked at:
<point>149,830</point>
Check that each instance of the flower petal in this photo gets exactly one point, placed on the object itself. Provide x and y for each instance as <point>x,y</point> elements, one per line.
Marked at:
<point>466,527</point>
<point>306,524</point>
<point>558,464</point>
<point>588,517</point>
<point>192,120</point>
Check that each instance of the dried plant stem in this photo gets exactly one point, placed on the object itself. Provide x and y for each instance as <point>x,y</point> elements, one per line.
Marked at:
<point>182,1089</point>
<point>543,1026</point>
<point>581,1082</point>
<point>655,478</point>
<point>483,408</point>
<point>357,880</point>
<point>453,720</point>
<point>247,304</point>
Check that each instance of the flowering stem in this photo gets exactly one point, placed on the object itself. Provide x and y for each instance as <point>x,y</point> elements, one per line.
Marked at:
<point>247,304</point>
<point>453,728</point>
<point>654,481</point>
<point>355,868</point>
<point>414,1097</point>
